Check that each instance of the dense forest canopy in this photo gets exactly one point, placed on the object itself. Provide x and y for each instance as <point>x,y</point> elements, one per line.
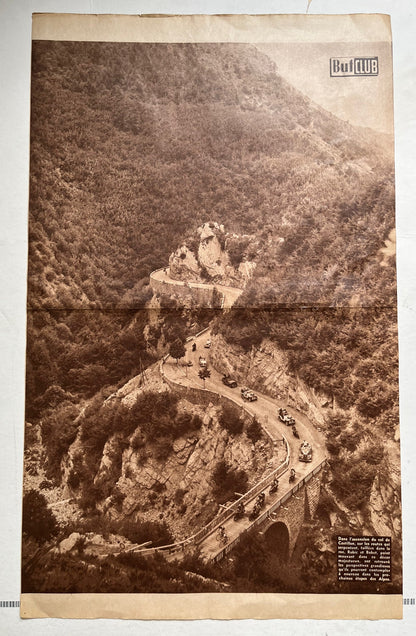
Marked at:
<point>134,145</point>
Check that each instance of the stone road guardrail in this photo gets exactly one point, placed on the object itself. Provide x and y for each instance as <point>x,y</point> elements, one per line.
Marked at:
<point>225,514</point>
<point>197,538</point>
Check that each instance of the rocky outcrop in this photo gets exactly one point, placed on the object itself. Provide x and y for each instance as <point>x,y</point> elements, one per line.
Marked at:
<point>211,255</point>
<point>178,488</point>
<point>144,481</point>
<point>384,505</point>
<point>214,255</point>
<point>265,368</point>
<point>66,545</point>
<point>92,544</point>
<point>184,266</point>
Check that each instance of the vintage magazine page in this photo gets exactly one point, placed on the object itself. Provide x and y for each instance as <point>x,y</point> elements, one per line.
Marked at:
<point>212,360</point>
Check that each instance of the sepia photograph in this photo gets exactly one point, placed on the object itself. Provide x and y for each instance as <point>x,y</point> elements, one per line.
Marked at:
<point>212,356</point>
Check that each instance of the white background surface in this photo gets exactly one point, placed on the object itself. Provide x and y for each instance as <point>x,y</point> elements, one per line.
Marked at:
<point>15,46</point>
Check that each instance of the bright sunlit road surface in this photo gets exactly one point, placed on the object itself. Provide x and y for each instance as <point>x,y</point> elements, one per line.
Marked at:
<point>230,293</point>
<point>266,411</point>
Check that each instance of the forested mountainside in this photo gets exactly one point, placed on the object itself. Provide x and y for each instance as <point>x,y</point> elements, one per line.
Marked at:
<point>135,145</point>
<point>132,144</point>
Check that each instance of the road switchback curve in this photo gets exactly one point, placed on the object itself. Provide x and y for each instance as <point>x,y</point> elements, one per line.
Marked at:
<point>265,409</point>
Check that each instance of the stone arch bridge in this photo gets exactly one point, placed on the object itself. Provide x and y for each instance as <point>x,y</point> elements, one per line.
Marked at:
<point>286,510</point>
<point>281,522</point>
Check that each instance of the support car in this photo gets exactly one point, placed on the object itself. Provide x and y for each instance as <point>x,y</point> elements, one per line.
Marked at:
<point>305,452</point>
<point>229,381</point>
<point>248,394</point>
<point>286,418</point>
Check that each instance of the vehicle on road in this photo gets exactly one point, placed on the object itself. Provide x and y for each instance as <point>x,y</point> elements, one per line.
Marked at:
<point>247,394</point>
<point>261,498</point>
<point>305,452</point>
<point>295,431</point>
<point>292,475</point>
<point>189,363</point>
<point>257,506</point>
<point>255,512</point>
<point>240,512</point>
<point>229,381</point>
<point>222,535</point>
<point>202,361</point>
<point>207,344</point>
<point>274,486</point>
<point>286,418</point>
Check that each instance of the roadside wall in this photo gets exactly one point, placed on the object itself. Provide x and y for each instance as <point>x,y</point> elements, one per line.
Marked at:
<point>200,294</point>
<point>205,397</point>
<point>291,510</point>
<point>313,491</point>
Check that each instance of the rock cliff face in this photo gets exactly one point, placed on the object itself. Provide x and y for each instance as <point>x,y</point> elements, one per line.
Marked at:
<point>214,255</point>
<point>384,506</point>
<point>175,487</point>
<point>266,369</point>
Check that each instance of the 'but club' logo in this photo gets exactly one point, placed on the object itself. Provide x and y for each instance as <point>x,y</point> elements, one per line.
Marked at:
<point>353,66</point>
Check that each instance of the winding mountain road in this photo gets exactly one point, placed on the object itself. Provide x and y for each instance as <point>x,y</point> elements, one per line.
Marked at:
<point>230,294</point>
<point>265,409</point>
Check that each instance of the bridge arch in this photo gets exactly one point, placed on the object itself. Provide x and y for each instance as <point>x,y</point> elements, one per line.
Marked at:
<point>278,540</point>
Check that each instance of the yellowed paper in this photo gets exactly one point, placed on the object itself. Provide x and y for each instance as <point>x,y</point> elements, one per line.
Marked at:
<point>211,410</point>
<point>217,28</point>
<point>212,606</point>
